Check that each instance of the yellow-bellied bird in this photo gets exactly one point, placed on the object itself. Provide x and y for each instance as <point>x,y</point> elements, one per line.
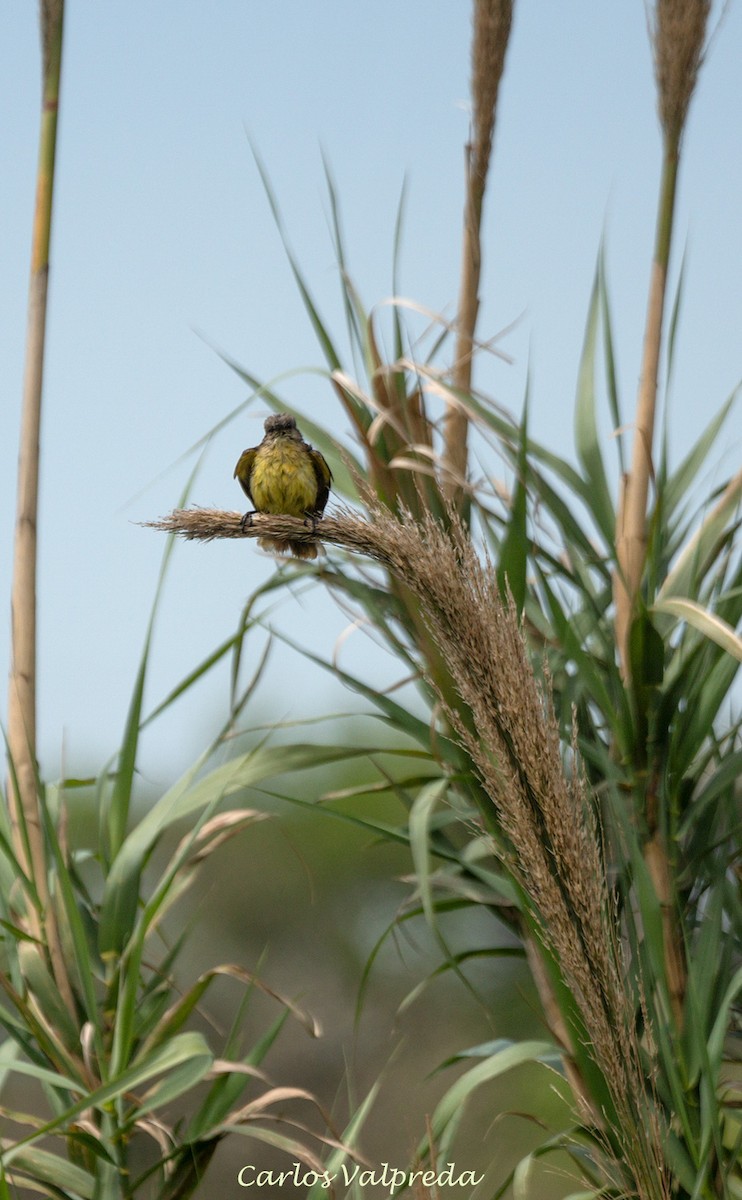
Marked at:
<point>284,474</point>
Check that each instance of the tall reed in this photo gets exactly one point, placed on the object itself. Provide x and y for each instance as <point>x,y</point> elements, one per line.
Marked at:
<point>22,787</point>
<point>492,25</point>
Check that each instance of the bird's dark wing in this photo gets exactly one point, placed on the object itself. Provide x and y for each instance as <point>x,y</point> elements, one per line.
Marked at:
<point>243,470</point>
<point>324,479</point>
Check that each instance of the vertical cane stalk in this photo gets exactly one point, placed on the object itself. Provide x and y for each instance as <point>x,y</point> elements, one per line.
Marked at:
<point>492,22</point>
<point>23,797</point>
<point>678,38</point>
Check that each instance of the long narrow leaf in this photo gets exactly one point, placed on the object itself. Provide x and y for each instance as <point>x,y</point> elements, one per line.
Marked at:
<point>186,1047</point>
<point>708,623</point>
<point>586,428</point>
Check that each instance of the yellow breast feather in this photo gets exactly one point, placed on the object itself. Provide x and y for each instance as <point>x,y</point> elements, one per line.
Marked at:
<point>285,475</point>
<point>283,480</point>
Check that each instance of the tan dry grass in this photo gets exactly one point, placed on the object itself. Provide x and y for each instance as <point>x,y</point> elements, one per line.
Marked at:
<point>678,34</point>
<point>27,833</point>
<point>492,24</point>
<point>550,842</point>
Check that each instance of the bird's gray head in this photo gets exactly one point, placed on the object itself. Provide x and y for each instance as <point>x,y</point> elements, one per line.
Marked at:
<point>281,424</point>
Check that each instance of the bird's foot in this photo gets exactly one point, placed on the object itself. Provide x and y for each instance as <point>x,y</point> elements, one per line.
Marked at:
<point>311,521</point>
<point>246,521</point>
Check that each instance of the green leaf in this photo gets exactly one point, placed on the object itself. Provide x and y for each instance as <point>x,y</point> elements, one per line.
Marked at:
<point>420,823</point>
<point>610,361</point>
<point>447,1115</point>
<point>396,255</point>
<point>722,780</point>
<point>187,796</point>
<point>319,328</point>
<point>121,892</point>
<point>646,652</point>
<point>593,676</point>
<point>185,1047</point>
<point>350,1135</point>
<point>522,1177</point>
<point>45,990</point>
<point>682,579</point>
<point>705,961</point>
<point>394,714</point>
<point>46,1168</point>
<point>355,320</point>
<point>705,697</point>
<point>179,1080</point>
<point>9,1051</point>
<point>586,429</point>
<point>193,676</point>
<point>513,559</point>
<point>721,1023</point>
<point>680,481</point>
<point>227,1088</point>
<point>85,968</point>
<point>116,815</point>
<point>708,623</point>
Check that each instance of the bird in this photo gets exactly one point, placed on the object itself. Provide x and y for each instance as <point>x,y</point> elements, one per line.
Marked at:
<point>284,475</point>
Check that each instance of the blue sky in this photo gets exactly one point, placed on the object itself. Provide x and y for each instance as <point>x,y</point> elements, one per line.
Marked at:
<point>164,246</point>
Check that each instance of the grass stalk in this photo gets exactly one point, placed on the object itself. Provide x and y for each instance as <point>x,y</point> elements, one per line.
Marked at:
<point>23,791</point>
<point>678,38</point>
<point>631,532</point>
<point>492,24</point>
<point>548,839</point>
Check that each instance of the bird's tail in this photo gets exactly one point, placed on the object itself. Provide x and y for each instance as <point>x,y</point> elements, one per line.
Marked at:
<point>288,546</point>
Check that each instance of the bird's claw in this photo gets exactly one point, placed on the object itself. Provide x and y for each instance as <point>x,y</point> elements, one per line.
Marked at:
<point>312,521</point>
<point>246,521</point>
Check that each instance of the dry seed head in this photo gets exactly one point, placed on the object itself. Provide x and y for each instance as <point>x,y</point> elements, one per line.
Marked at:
<point>492,21</point>
<point>550,839</point>
<point>678,35</point>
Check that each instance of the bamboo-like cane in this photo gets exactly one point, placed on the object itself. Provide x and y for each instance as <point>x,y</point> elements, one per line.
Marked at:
<point>678,39</point>
<point>492,22</point>
<point>631,529</point>
<point>23,798</point>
